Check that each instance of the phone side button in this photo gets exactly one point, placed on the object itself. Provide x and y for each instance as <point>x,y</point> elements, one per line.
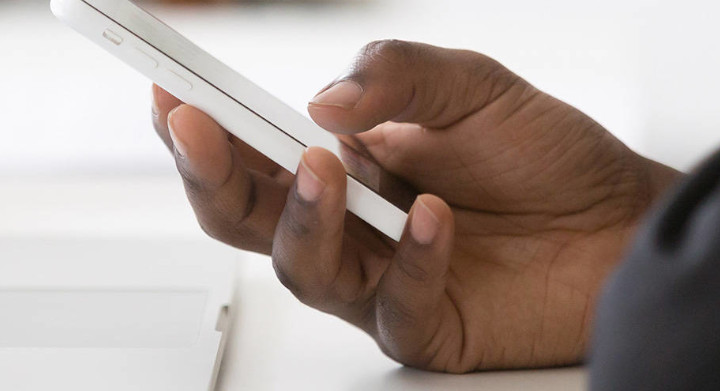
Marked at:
<point>112,37</point>
<point>179,80</point>
<point>147,59</point>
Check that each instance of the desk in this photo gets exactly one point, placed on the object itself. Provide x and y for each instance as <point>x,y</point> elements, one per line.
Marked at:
<point>277,343</point>
<point>94,281</point>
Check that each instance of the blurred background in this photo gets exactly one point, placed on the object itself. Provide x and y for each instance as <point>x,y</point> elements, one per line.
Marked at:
<point>80,163</point>
<point>646,69</point>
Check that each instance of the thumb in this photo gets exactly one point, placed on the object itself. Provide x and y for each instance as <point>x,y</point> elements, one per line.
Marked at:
<point>411,82</point>
<point>410,296</point>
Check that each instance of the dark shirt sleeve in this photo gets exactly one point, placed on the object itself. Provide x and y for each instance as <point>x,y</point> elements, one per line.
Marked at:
<point>658,320</point>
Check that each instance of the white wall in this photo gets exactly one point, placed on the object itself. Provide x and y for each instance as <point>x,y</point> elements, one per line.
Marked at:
<point>645,69</point>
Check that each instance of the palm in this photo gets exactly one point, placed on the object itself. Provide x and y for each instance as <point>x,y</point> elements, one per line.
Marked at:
<point>538,225</point>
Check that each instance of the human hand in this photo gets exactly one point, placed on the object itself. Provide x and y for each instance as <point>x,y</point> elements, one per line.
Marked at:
<point>533,203</point>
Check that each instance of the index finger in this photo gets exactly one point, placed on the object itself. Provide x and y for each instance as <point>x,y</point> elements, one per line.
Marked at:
<point>164,103</point>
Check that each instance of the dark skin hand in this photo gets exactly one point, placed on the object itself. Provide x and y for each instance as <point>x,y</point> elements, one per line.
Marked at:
<point>532,205</point>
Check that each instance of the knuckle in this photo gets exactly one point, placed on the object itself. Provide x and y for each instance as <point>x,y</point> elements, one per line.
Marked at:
<point>413,271</point>
<point>222,231</point>
<point>501,81</point>
<point>343,296</point>
<point>193,186</point>
<point>222,216</point>
<point>310,284</point>
<point>240,209</point>
<point>244,239</point>
<point>218,226</point>
<point>489,78</point>
<point>210,230</point>
<point>285,279</point>
<point>393,313</point>
<point>387,47</point>
<point>280,261</point>
<point>408,264</point>
<point>389,51</point>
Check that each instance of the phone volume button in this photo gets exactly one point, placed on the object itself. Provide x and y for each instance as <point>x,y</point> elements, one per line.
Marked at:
<point>112,37</point>
<point>179,81</point>
<point>147,59</point>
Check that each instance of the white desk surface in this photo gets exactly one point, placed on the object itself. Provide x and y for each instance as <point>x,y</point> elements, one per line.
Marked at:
<point>94,281</point>
<point>278,344</point>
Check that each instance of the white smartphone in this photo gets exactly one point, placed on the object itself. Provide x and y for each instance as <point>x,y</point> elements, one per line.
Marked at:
<point>244,109</point>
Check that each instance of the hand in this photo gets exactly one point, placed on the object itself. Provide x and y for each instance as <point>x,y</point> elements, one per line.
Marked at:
<point>533,203</point>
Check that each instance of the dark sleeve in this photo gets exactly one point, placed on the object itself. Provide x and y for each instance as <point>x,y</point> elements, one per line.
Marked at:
<point>658,320</point>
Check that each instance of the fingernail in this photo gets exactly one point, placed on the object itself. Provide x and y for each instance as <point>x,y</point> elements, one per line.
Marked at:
<point>154,106</point>
<point>180,147</point>
<point>309,186</point>
<point>424,225</point>
<point>345,94</point>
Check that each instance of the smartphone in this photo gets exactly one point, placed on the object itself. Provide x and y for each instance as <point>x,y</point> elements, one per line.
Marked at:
<point>244,109</point>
